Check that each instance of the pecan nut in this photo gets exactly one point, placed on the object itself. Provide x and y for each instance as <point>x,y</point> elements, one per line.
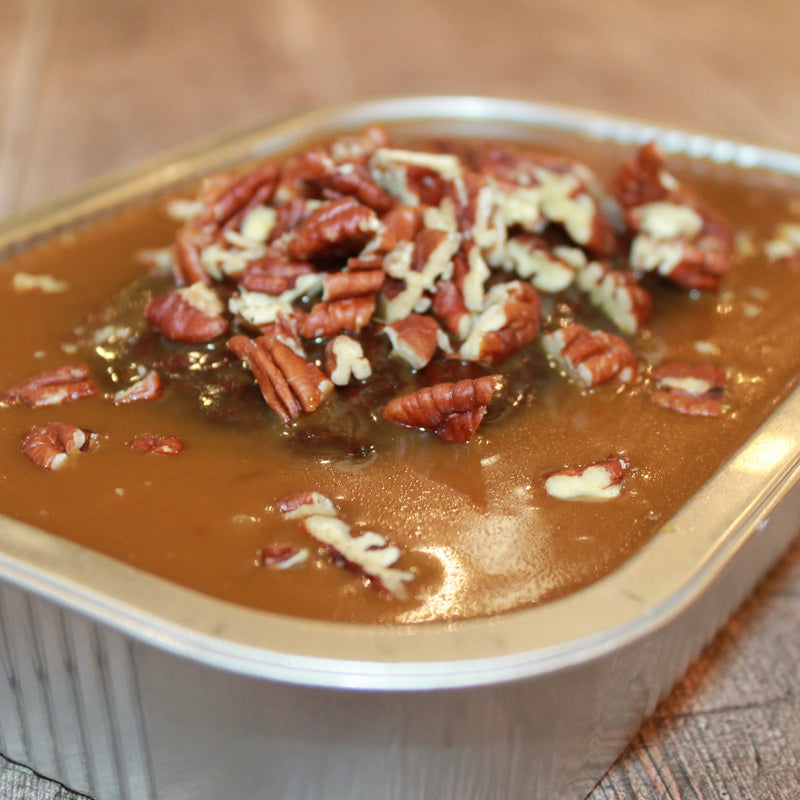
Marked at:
<point>452,411</point>
<point>692,389</point>
<point>591,357</point>
<point>160,445</point>
<point>331,317</point>
<point>618,294</point>
<point>289,384</point>
<point>273,273</point>
<point>675,234</point>
<point>49,446</point>
<point>600,481</point>
<point>281,556</point>
<point>345,360</point>
<point>56,386</point>
<point>337,229</point>
<point>187,315</point>
<point>508,322</point>
<point>149,387</point>
<point>416,338</point>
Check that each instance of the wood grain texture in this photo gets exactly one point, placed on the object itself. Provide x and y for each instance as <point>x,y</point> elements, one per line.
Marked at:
<point>87,86</point>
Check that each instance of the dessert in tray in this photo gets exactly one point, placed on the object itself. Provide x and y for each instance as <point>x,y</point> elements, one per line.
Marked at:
<point>393,380</point>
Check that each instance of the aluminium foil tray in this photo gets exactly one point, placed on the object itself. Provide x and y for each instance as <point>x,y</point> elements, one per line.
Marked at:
<point>122,685</point>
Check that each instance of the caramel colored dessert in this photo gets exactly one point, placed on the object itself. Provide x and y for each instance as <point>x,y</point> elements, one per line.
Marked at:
<point>398,382</point>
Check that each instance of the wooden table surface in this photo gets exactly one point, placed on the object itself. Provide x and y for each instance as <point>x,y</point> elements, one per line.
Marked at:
<point>87,86</point>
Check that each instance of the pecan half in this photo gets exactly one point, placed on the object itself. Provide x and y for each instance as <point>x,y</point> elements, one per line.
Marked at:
<point>591,357</point>
<point>337,229</point>
<point>49,446</point>
<point>187,315</point>
<point>56,386</point>
<point>508,322</point>
<point>693,389</point>
<point>330,318</point>
<point>160,445</point>
<point>618,294</point>
<point>416,338</point>
<point>357,282</point>
<point>339,179</point>
<point>290,384</point>
<point>452,411</point>
<point>676,235</point>
<point>450,308</point>
<point>273,273</point>
<point>150,387</point>
<point>600,481</point>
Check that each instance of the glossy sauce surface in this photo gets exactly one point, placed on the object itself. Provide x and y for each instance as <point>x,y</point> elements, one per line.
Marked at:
<point>473,521</point>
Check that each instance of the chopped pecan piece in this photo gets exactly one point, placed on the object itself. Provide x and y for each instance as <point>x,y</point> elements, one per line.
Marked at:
<point>46,284</point>
<point>450,308</point>
<point>591,356</point>
<point>281,556</point>
<point>336,229</point>
<point>330,318</point>
<point>273,273</point>
<point>191,315</point>
<point>452,411</point>
<point>675,234</point>
<point>340,179</point>
<point>532,259</point>
<point>419,265</point>
<point>49,446</point>
<point>56,386</point>
<point>416,338</point>
<point>290,384</point>
<point>600,481</point>
<point>368,554</point>
<point>160,445</point>
<point>508,322</point>
<point>353,283</point>
<point>693,389</point>
<point>149,387</point>
<point>344,360</point>
<point>304,504</point>
<point>403,222</point>
<point>617,293</point>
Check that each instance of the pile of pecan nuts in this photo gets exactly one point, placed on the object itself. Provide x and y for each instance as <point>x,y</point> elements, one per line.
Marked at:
<point>446,252</point>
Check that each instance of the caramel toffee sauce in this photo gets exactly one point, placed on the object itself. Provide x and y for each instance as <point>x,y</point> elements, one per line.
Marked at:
<point>473,521</point>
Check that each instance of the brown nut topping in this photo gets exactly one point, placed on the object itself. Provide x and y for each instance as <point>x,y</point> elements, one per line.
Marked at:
<point>179,318</point>
<point>591,357</point>
<point>149,387</point>
<point>416,338</point>
<point>508,322</point>
<point>600,481</point>
<point>290,384</point>
<point>452,411</point>
<point>329,318</point>
<point>345,360</point>
<point>56,386</point>
<point>160,445</point>
<point>339,228</point>
<point>676,235</point>
<point>273,273</point>
<point>49,446</point>
<point>618,294</point>
<point>693,389</point>
<point>281,556</point>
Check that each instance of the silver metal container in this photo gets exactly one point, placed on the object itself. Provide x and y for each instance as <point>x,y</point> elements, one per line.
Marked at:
<point>122,685</point>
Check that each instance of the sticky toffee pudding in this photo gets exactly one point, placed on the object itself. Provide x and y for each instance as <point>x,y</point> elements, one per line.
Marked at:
<point>397,381</point>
